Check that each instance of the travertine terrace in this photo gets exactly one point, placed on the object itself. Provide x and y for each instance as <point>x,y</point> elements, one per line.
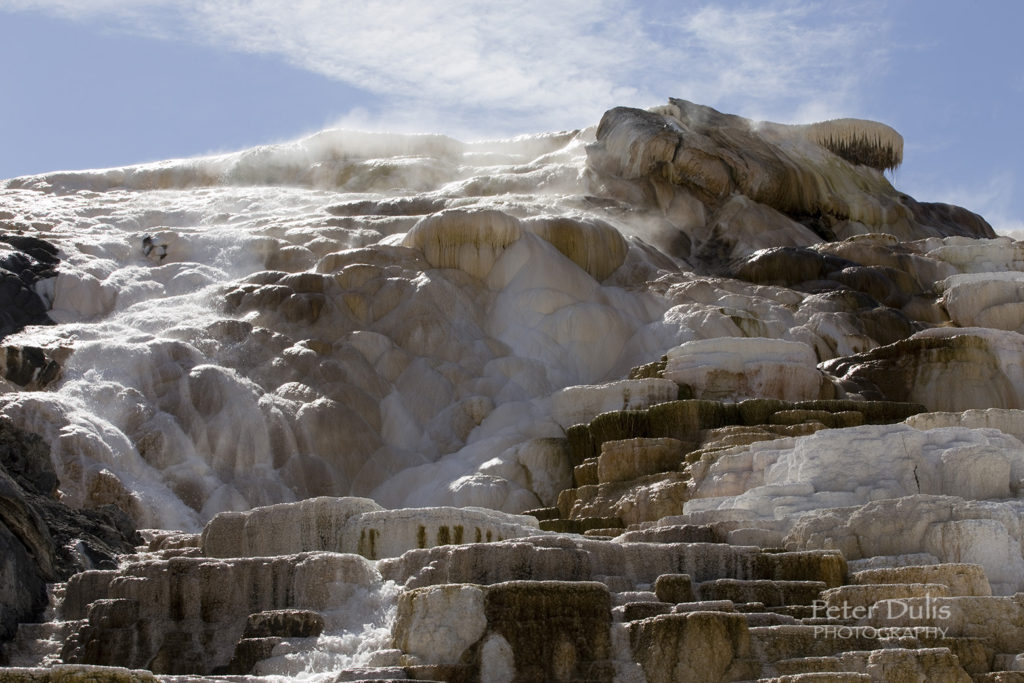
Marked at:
<point>677,397</point>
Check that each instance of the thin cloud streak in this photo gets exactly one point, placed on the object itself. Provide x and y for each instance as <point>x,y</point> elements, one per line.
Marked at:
<point>503,69</point>
<point>991,198</point>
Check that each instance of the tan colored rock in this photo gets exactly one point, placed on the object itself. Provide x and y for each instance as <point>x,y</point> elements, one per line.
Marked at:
<point>471,240</point>
<point>77,673</point>
<point>866,595</point>
<point>997,621</point>
<point>354,525</point>
<point>674,588</point>
<point>577,558</point>
<point>769,644</point>
<point>898,665</point>
<point>771,593</point>
<point>959,578</point>
<point>593,245</point>
<point>82,590</point>
<point>696,646</point>
<point>647,499</point>
<point>631,458</point>
<point>585,474</point>
<point>555,630</point>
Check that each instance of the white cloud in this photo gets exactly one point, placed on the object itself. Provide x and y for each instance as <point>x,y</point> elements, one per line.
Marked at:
<point>536,64</point>
<point>992,198</point>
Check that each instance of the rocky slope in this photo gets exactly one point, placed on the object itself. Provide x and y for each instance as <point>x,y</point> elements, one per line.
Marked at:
<point>679,397</point>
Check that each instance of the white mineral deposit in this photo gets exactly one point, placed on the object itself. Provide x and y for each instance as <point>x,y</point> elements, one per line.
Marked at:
<point>680,396</point>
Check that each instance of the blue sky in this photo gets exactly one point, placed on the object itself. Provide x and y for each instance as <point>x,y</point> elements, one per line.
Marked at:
<point>94,83</point>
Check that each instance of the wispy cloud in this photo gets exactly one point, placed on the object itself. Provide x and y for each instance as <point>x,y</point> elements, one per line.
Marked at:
<point>991,197</point>
<point>536,64</point>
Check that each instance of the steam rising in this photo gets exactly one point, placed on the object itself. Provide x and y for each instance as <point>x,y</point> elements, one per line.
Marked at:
<point>389,315</point>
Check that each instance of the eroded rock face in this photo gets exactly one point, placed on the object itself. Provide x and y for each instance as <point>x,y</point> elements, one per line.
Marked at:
<point>435,316</point>
<point>185,615</point>
<point>959,579</point>
<point>27,266</point>
<point>681,340</point>
<point>353,525</point>
<point>699,646</point>
<point>41,539</point>
<point>24,585</point>
<point>686,149</point>
<point>981,363</point>
<point>547,630</point>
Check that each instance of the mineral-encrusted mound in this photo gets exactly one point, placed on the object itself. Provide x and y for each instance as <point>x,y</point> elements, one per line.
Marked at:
<point>680,396</point>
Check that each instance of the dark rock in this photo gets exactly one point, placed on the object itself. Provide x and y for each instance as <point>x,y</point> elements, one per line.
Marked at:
<point>886,325</point>
<point>767,592</point>
<point>114,613</point>
<point>557,630</point>
<point>40,250</point>
<point>874,412</point>
<point>247,653</point>
<point>618,425</point>
<point>889,286</point>
<point>581,444</point>
<point>651,143</point>
<point>635,611</point>
<point>781,266</point>
<point>580,526</point>
<point>905,371</point>
<point>674,588</point>
<point>286,623</point>
<point>543,514</point>
<point>35,260</point>
<point>676,533</point>
<point>22,585</point>
<point>826,566</point>
<point>42,540</point>
<point>949,219</point>
<point>29,367</point>
<point>26,458</point>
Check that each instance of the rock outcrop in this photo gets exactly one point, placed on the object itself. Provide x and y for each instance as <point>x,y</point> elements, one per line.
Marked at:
<point>27,268</point>
<point>42,540</point>
<point>593,609</point>
<point>680,396</point>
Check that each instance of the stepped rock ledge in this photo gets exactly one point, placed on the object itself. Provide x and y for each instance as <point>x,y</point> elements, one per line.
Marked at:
<point>678,397</point>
